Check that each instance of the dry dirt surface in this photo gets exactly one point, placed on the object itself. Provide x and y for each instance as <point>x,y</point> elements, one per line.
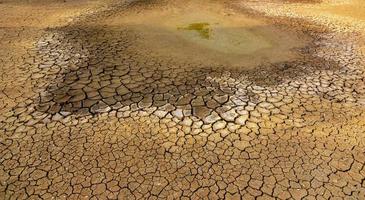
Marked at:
<point>195,99</point>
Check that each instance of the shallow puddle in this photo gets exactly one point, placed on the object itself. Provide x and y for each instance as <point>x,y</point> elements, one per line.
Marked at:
<point>209,33</point>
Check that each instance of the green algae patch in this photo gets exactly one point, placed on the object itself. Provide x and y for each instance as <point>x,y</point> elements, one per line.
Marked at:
<point>202,28</point>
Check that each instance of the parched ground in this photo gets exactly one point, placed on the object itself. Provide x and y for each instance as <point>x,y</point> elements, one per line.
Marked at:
<point>139,99</point>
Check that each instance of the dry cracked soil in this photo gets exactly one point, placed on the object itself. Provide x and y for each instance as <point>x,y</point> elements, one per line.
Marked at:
<point>163,99</point>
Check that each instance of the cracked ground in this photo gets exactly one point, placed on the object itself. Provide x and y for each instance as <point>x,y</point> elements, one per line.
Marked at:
<point>106,99</point>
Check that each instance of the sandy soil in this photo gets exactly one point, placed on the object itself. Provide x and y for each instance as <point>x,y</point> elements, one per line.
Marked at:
<point>354,9</point>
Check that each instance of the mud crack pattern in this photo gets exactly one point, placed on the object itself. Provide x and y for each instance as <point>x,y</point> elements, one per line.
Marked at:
<point>84,115</point>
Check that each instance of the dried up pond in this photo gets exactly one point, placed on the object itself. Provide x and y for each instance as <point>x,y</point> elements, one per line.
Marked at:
<point>189,31</point>
<point>172,99</point>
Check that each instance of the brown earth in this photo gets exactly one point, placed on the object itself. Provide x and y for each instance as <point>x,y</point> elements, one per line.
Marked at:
<point>169,100</point>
